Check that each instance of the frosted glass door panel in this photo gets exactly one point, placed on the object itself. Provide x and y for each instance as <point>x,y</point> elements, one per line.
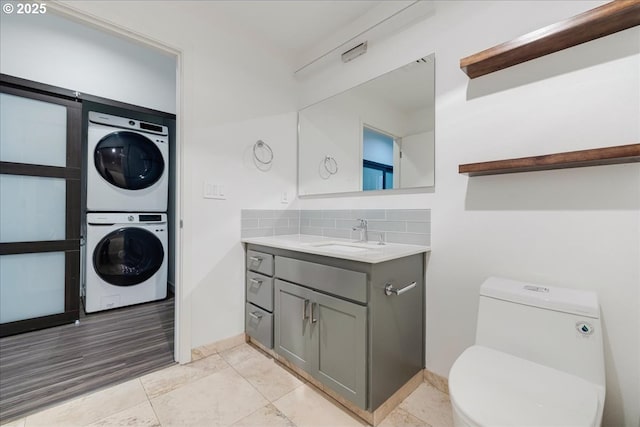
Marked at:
<point>32,285</point>
<point>32,208</point>
<point>32,131</point>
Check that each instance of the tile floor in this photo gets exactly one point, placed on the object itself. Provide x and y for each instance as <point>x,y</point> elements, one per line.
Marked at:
<point>237,387</point>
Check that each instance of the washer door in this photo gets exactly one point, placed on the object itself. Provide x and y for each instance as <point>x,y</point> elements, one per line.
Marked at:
<point>128,256</point>
<point>128,160</point>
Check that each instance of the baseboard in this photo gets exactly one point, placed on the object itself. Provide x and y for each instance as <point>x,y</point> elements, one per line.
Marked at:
<point>439,382</point>
<point>217,347</point>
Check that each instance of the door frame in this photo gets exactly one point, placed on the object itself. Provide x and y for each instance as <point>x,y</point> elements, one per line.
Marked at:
<point>182,328</point>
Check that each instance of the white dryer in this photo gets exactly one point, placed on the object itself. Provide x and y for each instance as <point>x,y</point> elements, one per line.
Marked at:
<point>126,259</point>
<point>127,165</point>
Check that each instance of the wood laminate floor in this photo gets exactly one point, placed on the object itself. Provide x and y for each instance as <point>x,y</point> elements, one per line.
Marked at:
<point>40,368</point>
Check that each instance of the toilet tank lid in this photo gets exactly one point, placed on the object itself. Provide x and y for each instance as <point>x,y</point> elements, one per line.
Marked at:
<point>580,302</point>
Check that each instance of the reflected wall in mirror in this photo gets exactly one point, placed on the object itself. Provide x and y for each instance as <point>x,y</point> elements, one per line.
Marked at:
<point>379,135</point>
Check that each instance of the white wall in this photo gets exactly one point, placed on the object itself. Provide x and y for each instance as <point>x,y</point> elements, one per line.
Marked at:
<point>578,228</point>
<point>54,50</point>
<point>414,171</point>
<point>422,120</point>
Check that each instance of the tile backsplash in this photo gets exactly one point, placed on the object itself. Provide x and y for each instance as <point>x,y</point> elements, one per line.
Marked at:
<point>411,226</point>
<point>263,223</point>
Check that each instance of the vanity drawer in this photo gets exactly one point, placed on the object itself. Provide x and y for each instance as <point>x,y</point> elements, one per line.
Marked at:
<point>333,280</point>
<point>259,324</point>
<point>260,262</point>
<point>259,290</point>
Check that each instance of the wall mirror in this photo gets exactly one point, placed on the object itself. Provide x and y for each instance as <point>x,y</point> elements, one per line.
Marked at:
<point>379,135</point>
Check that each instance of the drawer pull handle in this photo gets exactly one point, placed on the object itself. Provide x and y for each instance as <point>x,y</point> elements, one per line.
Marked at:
<point>255,315</point>
<point>390,290</point>
<point>255,259</point>
<point>313,315</point>
<point>305,304</point>
<point>255,282</point>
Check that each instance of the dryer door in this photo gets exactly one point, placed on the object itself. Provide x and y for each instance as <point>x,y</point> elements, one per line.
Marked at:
<point>128,256</point>
<point>128,160</point>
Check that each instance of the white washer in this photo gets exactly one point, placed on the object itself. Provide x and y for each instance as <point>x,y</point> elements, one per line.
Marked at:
<point>126,259</point>
<point>127,165</point>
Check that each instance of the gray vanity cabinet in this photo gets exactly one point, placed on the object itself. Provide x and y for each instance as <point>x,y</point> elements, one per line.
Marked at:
<point>355,327</point>
<point>325,336</point>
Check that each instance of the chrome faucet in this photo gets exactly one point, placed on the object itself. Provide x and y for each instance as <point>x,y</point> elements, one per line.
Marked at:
<point>362,226</point>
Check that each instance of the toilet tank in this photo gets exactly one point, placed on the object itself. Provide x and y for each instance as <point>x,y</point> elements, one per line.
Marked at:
<point>553,326</point>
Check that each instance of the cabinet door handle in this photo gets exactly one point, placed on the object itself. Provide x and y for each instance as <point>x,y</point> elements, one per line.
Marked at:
<point>255,282</point>
<point>255,259</point>
<point>313,313</point>
<point>305,304</point>
<point>390,290</point>
<point>255,315</point>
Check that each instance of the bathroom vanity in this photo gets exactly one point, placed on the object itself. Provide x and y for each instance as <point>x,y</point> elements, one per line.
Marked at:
<point>347,316</point>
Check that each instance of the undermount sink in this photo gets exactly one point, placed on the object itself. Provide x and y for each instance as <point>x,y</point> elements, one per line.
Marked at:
<point>346,247</point>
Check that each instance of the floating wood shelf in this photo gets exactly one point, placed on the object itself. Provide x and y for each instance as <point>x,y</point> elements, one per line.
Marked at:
<point>572,159</point>
<point>599,22</point>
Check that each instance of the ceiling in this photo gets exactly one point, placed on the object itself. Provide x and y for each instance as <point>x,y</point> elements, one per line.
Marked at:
<point>293,26</point>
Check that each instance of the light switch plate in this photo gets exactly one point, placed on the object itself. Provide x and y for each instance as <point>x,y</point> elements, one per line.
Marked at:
<point>213,191</point>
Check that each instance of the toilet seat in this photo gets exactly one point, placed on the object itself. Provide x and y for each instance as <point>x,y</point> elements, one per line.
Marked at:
<point>492,388</point>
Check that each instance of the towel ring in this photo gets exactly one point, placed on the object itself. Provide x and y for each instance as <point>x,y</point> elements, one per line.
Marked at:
<point>331,165</point>
<point>260,144</point>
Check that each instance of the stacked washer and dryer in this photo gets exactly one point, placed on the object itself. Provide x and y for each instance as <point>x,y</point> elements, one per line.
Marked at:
<point>126,252</point>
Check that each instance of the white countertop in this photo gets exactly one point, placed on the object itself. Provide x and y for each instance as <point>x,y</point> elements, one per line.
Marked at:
<point>369,252</point>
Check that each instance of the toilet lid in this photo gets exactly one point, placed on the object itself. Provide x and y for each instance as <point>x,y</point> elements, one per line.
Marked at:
<point>492,388</point>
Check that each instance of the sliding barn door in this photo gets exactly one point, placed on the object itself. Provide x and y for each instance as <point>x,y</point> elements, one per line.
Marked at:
<point>39,209</point>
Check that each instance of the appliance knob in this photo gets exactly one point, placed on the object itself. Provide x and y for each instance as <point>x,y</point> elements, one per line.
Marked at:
<point>132,123</point>
<point>131,218</point>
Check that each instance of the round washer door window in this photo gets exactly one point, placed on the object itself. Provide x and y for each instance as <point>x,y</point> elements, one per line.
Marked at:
<point>128,256</point>
<point>128,160</point>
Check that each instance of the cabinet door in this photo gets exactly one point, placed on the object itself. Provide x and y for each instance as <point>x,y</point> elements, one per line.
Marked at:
<point>292,324</point>
<point>339,330</point>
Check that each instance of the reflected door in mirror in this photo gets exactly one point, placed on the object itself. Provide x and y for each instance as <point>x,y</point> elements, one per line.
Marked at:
<point>377,159</point>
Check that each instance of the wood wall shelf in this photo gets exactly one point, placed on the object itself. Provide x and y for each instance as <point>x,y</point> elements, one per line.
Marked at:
<point>607,19</point>
<point>572,159</point>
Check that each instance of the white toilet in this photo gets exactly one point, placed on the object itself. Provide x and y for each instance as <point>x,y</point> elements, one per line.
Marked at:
<point>538,359</point>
